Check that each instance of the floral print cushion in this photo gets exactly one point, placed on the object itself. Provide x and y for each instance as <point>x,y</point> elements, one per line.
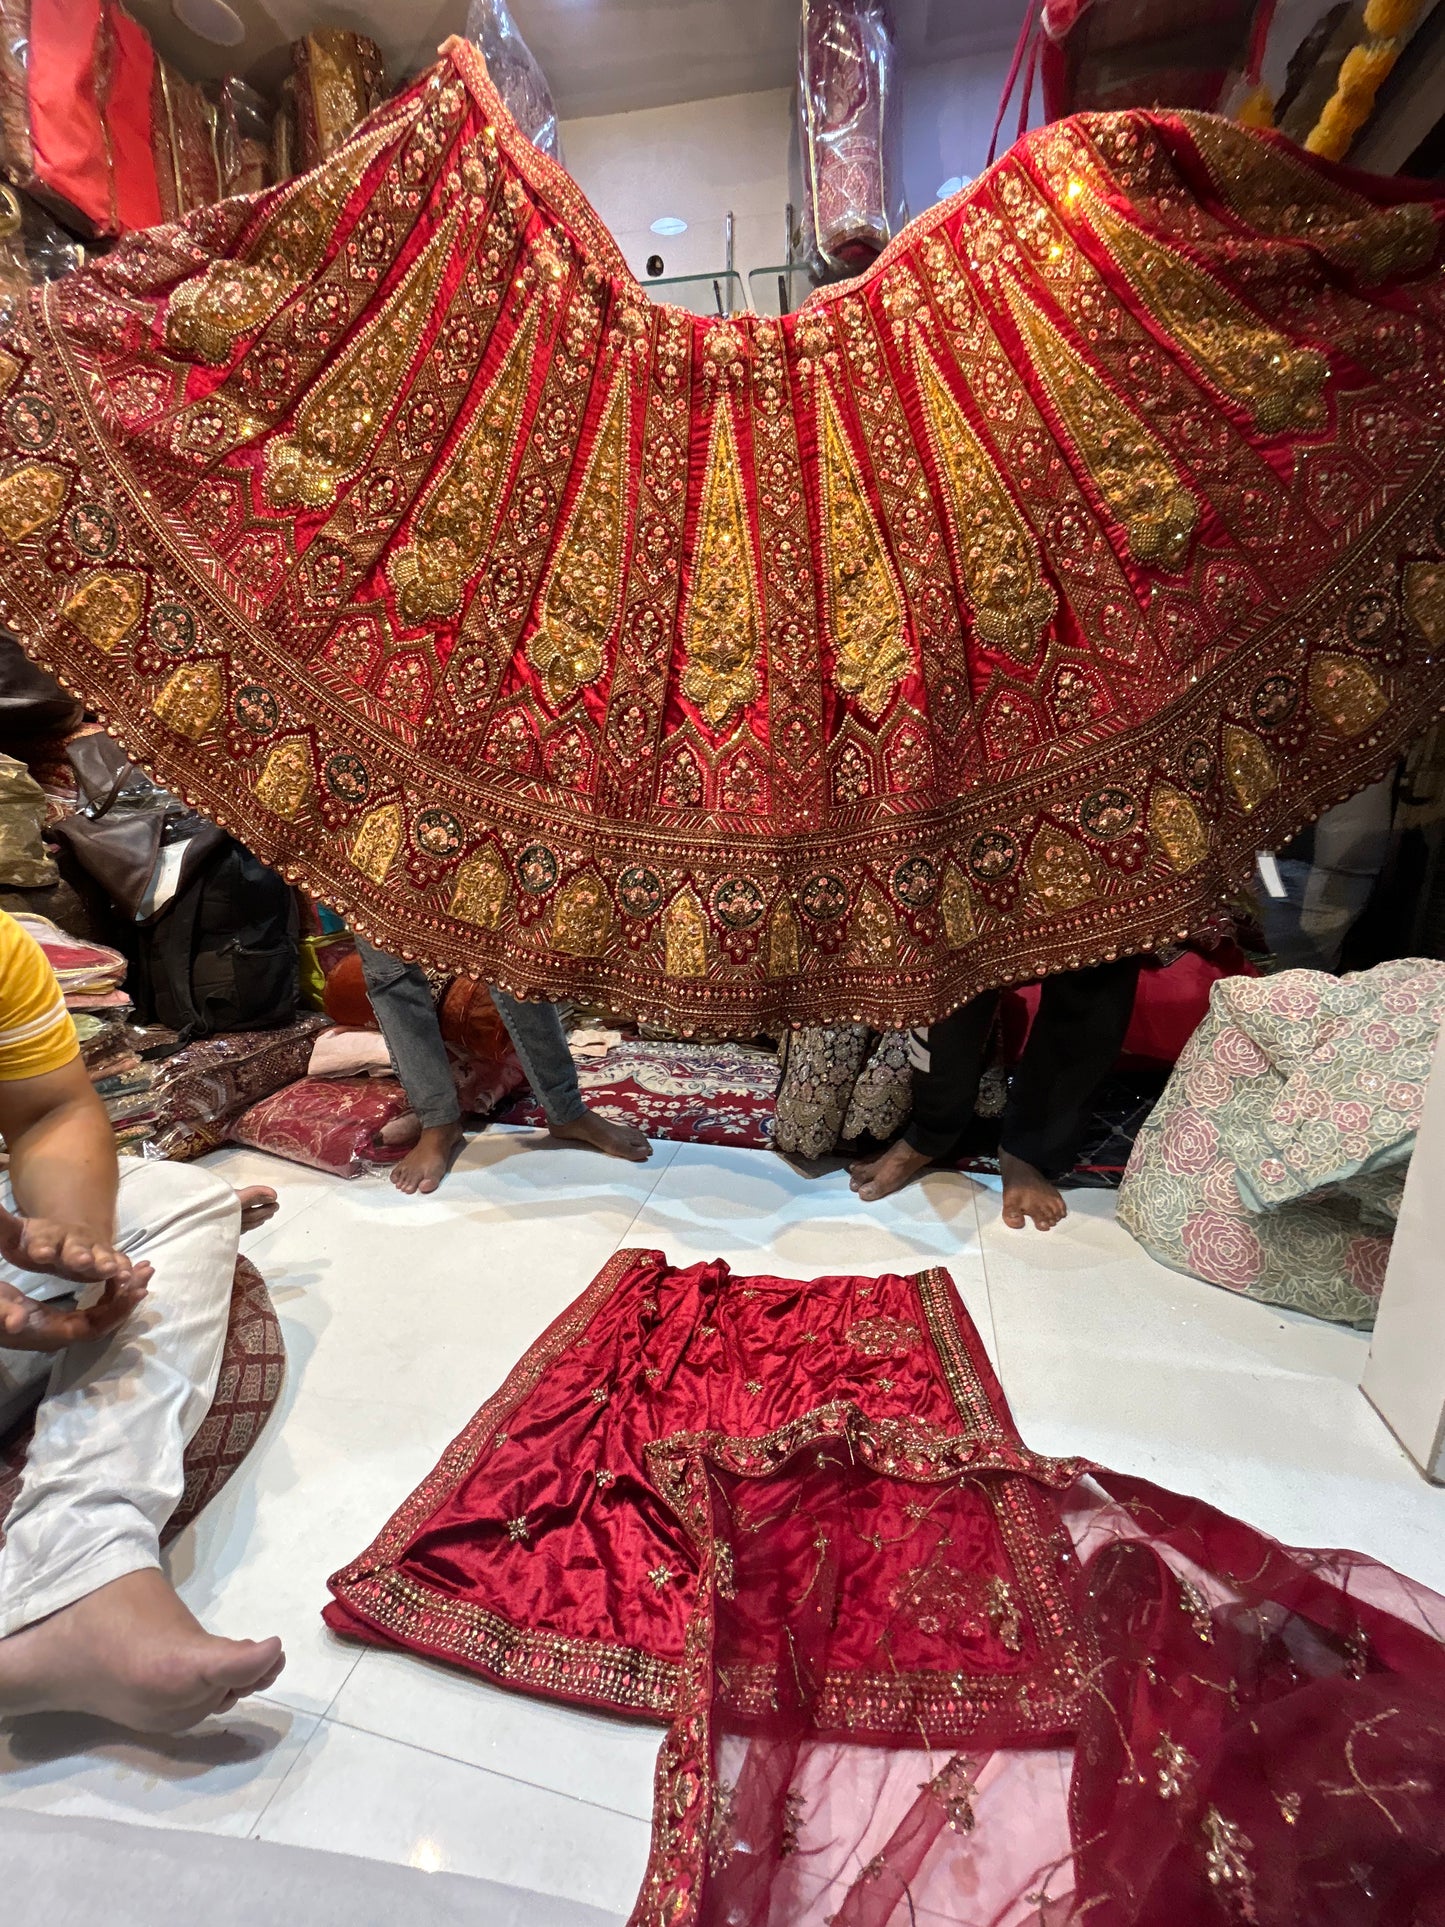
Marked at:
<point>1273,1163</point>
<point>1356,1060</point>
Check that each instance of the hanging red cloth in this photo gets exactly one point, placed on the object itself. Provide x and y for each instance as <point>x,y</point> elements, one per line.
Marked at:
<point>908,1668</point>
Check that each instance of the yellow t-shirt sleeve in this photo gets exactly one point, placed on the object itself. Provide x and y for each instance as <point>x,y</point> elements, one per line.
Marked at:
<point>36,1031</point>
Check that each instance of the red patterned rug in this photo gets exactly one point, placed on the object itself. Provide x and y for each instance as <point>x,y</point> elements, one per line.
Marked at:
<point>698,1093</point>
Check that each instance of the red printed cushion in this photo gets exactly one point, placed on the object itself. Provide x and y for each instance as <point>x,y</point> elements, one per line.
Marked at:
<point>343,1125</point>
<point>253,1368</point>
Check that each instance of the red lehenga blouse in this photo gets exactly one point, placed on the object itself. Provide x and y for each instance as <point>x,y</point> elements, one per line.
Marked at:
<point>910,1671</point>
<point>980,620</point>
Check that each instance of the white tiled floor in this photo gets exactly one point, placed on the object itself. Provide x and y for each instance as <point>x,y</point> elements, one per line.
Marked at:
<point>401,1316</point>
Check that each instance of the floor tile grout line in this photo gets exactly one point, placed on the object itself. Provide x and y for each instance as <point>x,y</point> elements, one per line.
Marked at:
<point>995,1348</point>
<point>455,1759</point>
<point>318,1720</point>
<point>659,1173</point>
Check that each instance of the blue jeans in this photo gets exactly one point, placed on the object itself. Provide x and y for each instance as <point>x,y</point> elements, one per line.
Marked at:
<point>402,1000</point>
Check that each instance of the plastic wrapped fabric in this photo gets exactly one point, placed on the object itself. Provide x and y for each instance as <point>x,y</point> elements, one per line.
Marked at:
<point>184,131</point>
<point>340,77</point>
<point>243,138</point>
<point>75,111</point>
<point>515,73</point>
<point>129,122</point>
<point>346,1127</point>
<point>23,862</point>
<point>848,107</point>
<point>283,133</point>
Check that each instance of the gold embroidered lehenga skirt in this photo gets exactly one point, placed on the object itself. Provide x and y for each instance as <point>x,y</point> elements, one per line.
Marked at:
<point>980,620</point>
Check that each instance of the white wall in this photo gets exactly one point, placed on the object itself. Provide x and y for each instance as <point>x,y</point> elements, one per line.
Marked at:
<point>948,114</point>
<point>695,161</point>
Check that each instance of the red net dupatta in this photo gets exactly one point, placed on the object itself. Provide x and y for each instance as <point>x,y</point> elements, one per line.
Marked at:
<point>979,621</point>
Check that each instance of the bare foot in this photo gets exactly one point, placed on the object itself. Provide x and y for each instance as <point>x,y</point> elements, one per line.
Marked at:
<point>131,1653</point>
<point>1027,1193</point>
<point>429,1159</point>
<point>259,1204</point>
<point>613,1140</point>
<point>900,1164</point>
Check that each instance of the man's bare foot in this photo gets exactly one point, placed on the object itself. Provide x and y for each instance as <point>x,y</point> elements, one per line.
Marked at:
<point>1027,1193</point>
<point>429,1159</point>
<point>900,1164</point>
<point>259,1204</point>
<point>613,1140</point>
<point>132,1653</point>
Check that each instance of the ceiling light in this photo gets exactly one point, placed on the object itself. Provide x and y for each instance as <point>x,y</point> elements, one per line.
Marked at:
<point>669,224</point>
<point>211,20</point>
<point>952,185</point>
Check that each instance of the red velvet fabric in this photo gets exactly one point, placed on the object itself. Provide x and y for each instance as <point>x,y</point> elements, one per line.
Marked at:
<point>542,1549</point>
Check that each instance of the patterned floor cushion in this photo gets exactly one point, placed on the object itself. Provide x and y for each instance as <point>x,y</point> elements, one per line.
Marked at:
<point>253,1367</point>
<point>1274,1161</point>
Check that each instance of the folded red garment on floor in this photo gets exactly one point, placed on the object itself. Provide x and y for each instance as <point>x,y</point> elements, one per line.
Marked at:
<point>912,1670</point>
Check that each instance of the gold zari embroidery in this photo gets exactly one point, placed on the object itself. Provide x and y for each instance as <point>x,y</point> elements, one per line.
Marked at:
<point>865,601</point>
<point>1249,767</point>
<point>482,890</point>
<point>1012,604</point>
<point>344,415</point>
<point>1127,466</point>
<point>453,528</point>
<point>206,316</point>
<point>106,608</point>
<point>191,698</point>
<point>1178,828</point>
<point>722,633</point>
<point>1256,365</point>
<point>31,499</point>
<point>584,590</point>
<point>1344,695</point>
<point>374,848</point>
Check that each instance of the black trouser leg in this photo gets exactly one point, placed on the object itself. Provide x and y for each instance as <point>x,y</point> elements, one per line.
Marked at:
<point>1078,1032</point>
<point>944,1094</point>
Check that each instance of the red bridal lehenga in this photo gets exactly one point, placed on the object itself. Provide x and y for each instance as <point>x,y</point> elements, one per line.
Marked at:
<point>910,1671</point>
<point>980,620</point>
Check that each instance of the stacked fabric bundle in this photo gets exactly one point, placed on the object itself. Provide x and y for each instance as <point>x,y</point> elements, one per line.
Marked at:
<point>97,127</point>
<point>121,1078</point>
<point>91,978</point>
<point>200,1091</point>
<point>337,78</point>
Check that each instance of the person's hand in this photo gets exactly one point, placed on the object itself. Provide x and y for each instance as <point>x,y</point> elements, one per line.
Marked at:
<point>60,1250</point>
<point>27,1325</point>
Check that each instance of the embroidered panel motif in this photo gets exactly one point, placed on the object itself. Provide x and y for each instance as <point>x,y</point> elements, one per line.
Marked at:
<point>979,620</point>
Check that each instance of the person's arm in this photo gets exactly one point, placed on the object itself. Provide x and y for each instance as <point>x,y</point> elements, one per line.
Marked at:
<point>63,1174</point>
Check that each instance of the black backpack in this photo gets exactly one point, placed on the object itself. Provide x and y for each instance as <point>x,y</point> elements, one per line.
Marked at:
<point>223,953</point>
